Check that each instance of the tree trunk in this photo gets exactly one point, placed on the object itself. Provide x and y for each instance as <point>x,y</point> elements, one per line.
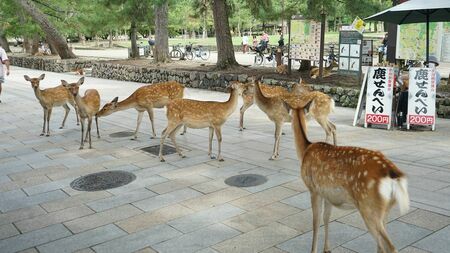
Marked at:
<point>52,33</point>
<point>133,37</point>
<point>305,65</point>
<point>4,42</point>
<point>225,54</point>
<point>205,33</point>
<point>35,44</point>
<point>26,44</point>
<point>51,46</point>
<point>110,38</point>
<point>161,32</point>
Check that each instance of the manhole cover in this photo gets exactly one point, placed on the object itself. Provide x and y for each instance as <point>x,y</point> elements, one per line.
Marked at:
<point>103,180</point>
<point>246,180</point>
<point>167,150</point>
<point>121,134</point>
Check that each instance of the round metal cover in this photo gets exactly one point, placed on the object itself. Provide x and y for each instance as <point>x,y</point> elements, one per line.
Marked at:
<point>246,180</point>
<point>102,180</point>
<point>121,134</point>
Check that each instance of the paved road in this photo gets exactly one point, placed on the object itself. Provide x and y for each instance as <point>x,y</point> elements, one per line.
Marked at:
<point>183,205</point>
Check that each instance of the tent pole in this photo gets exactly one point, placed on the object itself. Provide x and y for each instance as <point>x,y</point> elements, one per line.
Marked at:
<point>428,38</point>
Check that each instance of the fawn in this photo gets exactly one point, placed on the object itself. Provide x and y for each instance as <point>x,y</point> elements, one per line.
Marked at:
<point>144,99</point>
<point>349,177</point>
<point>199,114</point>
<point>49,98</point>
<point>314,72</point>
<point>88,106</point>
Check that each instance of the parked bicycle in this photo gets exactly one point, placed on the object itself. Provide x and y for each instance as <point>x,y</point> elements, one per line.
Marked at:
<point>199,51</point>
<point>176,52</point>
<point>332,57</point>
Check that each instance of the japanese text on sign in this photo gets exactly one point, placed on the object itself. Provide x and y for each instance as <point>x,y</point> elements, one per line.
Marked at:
<point>422,96</point>
<point>379,96</point>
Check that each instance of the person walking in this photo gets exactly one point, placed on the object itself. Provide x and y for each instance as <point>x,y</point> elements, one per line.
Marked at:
<point>3,61</point>
<point>245,43</point>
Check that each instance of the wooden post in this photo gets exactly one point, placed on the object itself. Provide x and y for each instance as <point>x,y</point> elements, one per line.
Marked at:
<point>322,42</point>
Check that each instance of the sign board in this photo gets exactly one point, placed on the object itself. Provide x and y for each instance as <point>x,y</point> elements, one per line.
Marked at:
<point>422,97</point>
<point>367,53</point>
<point>358,25</point>
<point>350,52</point>
<point>304,39</point>
<point>380,85</point>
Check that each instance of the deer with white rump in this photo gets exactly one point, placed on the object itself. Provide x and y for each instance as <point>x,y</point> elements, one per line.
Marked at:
<point>199,114</point>
<point>49,98</point>
<point>88,106</point>
<point>349,177</point>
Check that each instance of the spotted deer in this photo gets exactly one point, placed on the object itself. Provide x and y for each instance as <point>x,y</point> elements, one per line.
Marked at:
<point>314,72</point>
<point>276,110</point>
<point>349,177</point>
<point>49,98</point>
<point>199,114</point>
<point>88,106</point>
<point>144,99</point>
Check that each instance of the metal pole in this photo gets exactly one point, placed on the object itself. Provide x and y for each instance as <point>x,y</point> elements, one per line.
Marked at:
<point>322,43</point>
<point>289,46</point>
<point>428,38</point>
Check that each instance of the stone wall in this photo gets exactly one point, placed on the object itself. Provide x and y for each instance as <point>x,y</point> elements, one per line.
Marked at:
<point>443,107</point>
<point>49,63</point>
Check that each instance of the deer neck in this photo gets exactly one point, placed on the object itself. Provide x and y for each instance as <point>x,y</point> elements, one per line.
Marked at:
<point>259,96</point>
<point>39,95</point>
<point>299,127</point>
<point>81,104</point>
<point>125,104</point>
<point>232,102</point>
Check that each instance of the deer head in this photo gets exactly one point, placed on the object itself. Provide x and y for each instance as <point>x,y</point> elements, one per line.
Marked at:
<point>34,81</point>
<point>73,87</point>
<point>108,108</point>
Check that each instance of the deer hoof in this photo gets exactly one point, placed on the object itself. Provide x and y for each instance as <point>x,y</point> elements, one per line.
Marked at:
<point>327,251</point>
<point>221,160</point>
<point>47,135</point>
<point>212,157</point>
<point>42,134</point>
<point>162,160</point>
<point>241,129</point>
<point>78,124</point>
<point>80,148</point>
<point>182,134</point>
<point>274,157</point>
<point>283,133</point>
<point>183,156</point>
<point>61,127</point>
<point>153,137</point>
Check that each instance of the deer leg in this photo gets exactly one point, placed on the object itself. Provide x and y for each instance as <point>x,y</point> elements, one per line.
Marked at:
<point>244,108</point>
<point>150,115</point>
<point>139,120</point>
<point>326,220</point>
<point>332,127</point>
<point>88,132</point>
<point>172,136</point>
<point>45,120</point>
<point>276,146</point>
<point>316,204</point>
<point>184,130</point>
<point>218,131</point>
<point>74,105</point>
<point>96,124</point>
<point>67,110</point>
<point>211,135</point>
<point>170,127</point>
<point>323,122</point>
<point>82,133</point>
<point>49,113</point>
<point>373,221</point>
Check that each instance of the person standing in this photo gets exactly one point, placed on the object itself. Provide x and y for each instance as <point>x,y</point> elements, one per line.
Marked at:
<point>151,43</point>
<point>244,43</point>
<point>3,61</point>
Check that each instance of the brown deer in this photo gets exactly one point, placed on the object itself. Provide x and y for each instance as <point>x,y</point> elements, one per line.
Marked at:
<point>199,114</point>
<point>314,72</point>
<point>88,106</point>
<point>49,98</point>
<point>144,99</point>
<point>277,111</point>
<point>349,177</point>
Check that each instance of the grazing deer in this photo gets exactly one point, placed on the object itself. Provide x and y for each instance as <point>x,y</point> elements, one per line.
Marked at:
<point>349,177</point>
<point>277,111</point>
<point>78,71</point>
<point>247,91</point>
<point>314,73</point>
<point>49,98</point>
<point>144,99</point>
<point>88,106</point>
<point>199,114</point>
<point>320,105</point>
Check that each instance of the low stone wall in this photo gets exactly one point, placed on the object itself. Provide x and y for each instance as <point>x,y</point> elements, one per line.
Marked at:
<point>443,107</point>
<point>50,63</point>
<point>346,97</point>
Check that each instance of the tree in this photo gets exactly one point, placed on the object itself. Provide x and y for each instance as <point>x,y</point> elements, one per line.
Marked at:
<point>225,50</point>
<point>49,29</point>
<point>161,32</point>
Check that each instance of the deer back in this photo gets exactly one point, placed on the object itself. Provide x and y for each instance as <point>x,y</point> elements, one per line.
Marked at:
<point>91,102</point>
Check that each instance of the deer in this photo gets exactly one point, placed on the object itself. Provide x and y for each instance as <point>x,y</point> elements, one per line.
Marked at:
<point>143,99</point>
<point>88,106</point>
<point>49,98</point>
<point>199,114</point>
<point>348,177</point>
<point>314,72</point>
<point>276,110</point>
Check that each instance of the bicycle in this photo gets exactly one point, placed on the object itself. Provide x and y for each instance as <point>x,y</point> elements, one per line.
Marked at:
<point>176,52</point>
<point>199,51</point>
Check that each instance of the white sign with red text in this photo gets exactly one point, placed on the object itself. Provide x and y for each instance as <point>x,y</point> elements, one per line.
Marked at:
<point>380,83</point>
<point>422,97</point>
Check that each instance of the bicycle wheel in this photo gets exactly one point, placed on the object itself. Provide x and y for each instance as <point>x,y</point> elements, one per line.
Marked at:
<point>178,54</point>
<point>189,55</point>
<point>259,59</point>
<point>204,53</point>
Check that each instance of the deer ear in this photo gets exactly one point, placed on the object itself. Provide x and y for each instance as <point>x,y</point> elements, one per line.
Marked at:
<point>114,101</point>
<point>81,81</point>
<point>64,83</point>
<point>41,77</point>
<point>27,78</point>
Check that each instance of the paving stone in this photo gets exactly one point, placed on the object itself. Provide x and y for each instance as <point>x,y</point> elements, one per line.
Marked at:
<point>9,195</point>
<point>186,172</point>
<point>174,185</point>
<point>274,250</point>
<point>296,185</point>
<point>13,167</point>
<point>102,218</point>
<point>401,234</point>
<point>210,186</point>
<point>31,239</point>
<point>261,217</point>
<point>215,198</point>
<point>166,199</point>
<point>47,187</point>
<point>8,230</point>
<point>430,198</point>
<point>301,201</point>
<point>437,242</point>
<point>196,240</point>
<point>119,200</point>
<point>30,250</point>
<point>426,219</point>
<point>227,171</point>
<point>15,185</point>
<point>52,218</point>
<point>139,240</point>
<point>17,203</point>
<point>82,240</point>
<point>137,184</point>
<point>21,214</point>
<point>37,172</point>
<point>146,250</point>
<point>272,181</point>
<point>342,250</point>
<point>207,250</point>
<point>87,250</point>
<point>77,172</point>
<point>205,218</point>
<point>263,198</point>
<point>82,198</point>
<point>160,216</point>
<point>338,234</point>
<point>413,250</point>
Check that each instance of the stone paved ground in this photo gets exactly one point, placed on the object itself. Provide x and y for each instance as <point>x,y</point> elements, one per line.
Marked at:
<point>183,205</point>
